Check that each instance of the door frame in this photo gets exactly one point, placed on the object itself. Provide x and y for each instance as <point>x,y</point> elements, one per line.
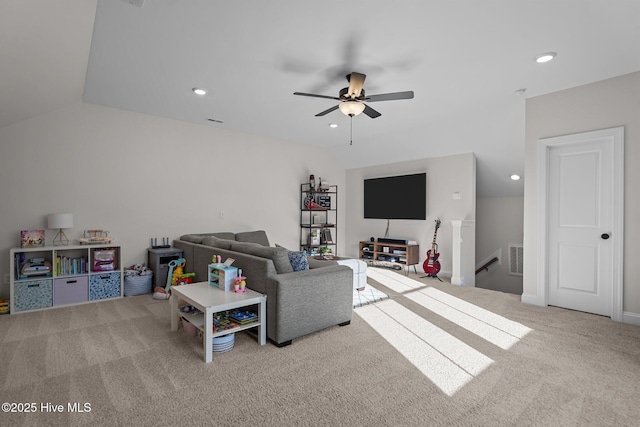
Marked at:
<point>616,135</point>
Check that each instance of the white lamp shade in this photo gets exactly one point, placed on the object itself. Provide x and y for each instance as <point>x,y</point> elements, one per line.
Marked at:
<point>60,220</point>
<point>351,108</point>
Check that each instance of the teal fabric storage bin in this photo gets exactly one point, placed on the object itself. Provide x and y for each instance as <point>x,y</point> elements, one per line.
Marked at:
<point>104,285</point>
<point>32,294</point>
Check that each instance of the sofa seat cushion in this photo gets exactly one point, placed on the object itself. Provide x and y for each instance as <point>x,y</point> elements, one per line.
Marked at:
<point>319,263</point>
<point>279,256</point>
<point>259,237</point>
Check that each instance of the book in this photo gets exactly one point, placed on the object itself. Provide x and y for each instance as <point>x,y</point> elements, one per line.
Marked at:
<point>243,317</point>
<point>326,236</point>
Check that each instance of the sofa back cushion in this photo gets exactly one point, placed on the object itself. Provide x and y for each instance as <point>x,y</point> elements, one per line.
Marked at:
<point>199,237</point>
<point>217,242</point>
<point>224,235</point>
<point>192,238</point>
<point>259,237</point>
<point>279,256</point>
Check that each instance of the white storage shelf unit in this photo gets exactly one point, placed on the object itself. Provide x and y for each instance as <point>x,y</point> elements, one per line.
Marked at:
<point>58,276</point>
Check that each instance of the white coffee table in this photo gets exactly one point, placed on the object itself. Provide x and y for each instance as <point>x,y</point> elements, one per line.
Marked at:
<point>209,300</point>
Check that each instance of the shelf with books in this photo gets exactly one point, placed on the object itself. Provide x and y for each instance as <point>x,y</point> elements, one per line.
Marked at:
<point>70,262</point>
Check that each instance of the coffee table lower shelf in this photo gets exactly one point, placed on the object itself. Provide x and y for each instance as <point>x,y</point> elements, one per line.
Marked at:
<point>209,300</point>
<point>197,320</point>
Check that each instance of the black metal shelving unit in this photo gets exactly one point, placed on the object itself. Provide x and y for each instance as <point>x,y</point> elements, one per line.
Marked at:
<point>318,219</point>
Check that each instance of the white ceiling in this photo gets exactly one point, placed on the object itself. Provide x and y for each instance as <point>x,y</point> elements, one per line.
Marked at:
<point>464,59</point>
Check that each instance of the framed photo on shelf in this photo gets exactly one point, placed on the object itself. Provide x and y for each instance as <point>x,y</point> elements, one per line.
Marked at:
<point>32,238</point>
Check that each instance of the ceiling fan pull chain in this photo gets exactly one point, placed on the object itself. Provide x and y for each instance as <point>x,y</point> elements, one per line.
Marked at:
<point>351,135</point>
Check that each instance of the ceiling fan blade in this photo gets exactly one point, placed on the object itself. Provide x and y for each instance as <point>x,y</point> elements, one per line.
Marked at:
<point>325,112</point>
<point>371,112</point>
<point>390,96</point>
<point>356,81</point>
<point>316,96</point>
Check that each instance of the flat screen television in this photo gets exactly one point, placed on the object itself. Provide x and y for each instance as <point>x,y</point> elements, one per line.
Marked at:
<point>396,197</point>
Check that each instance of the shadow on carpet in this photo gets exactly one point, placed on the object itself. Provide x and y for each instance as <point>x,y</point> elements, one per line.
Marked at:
<point>368,296</point>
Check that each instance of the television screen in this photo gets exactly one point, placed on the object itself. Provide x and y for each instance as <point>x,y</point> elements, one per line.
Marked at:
<point>396,197</point>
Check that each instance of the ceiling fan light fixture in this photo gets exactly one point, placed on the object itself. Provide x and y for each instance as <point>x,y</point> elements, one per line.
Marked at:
<point>351,108</point>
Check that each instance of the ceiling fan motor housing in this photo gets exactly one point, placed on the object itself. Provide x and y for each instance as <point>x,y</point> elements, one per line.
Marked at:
<point>345,95</point>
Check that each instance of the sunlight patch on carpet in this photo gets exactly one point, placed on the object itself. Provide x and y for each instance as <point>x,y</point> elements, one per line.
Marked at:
<point>367,296</point>
<point>510,327</point>
<point>492,327</point>
<point>394,281</point>
<point>448,362</point>
<point>470,317</point>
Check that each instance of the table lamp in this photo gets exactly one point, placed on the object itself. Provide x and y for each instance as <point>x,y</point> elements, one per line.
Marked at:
<point>60,221</point>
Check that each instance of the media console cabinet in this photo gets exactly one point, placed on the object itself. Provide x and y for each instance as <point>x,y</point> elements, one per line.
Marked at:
<point>390,255</point>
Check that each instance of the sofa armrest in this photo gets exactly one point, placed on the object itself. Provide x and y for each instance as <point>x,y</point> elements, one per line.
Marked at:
<point>303,302</point>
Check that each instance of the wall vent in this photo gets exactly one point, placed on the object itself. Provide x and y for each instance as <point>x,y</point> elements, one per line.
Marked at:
<point>515,260</point>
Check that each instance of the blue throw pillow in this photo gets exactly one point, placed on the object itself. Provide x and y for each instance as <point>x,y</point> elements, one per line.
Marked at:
<point>298,260</point>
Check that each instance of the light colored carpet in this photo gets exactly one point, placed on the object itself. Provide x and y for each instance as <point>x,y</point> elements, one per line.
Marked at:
<point>394,365</point>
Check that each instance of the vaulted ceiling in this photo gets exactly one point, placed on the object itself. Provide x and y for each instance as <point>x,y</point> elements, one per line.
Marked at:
<point>465,60</point>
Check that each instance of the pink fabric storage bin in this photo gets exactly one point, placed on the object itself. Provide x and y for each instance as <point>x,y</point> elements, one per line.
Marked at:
<point>70,290</point>
<point>189,329</point>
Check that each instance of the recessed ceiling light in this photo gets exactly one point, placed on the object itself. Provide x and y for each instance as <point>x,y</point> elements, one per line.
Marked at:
<point>199,91</point>
<point>545,57</point>
<point>515,177</point>
<point>333,125</point>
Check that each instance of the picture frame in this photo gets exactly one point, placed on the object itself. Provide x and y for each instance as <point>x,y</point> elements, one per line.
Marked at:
<point>32,238</point>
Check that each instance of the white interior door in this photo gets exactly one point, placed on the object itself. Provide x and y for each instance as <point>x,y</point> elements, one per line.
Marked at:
<point>583,223</point>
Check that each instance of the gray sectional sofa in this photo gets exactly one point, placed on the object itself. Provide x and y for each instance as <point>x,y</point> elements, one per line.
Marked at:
<point>298,302</point>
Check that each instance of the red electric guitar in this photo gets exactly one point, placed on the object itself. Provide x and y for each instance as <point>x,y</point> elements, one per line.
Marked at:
<point>431,265</point>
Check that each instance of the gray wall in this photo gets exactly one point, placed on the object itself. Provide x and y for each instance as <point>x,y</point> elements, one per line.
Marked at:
<point>441,184</point>
<point>141,176</point>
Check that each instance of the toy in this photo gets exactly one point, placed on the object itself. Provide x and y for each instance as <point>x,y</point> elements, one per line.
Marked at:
<point>175,269</point>
<point>240,285</point>
<point>176,264</point>
<point>186,278</point>
<point>160,293</point>
<point>4,305</point>
<point>178,270</point>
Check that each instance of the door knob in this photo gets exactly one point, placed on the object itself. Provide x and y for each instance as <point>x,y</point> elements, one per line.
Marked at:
<point>605,236</point>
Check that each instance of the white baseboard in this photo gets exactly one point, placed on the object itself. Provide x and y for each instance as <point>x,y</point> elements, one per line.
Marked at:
<point>631,318</point>
<point>627,316</point>
<point>531,299</point>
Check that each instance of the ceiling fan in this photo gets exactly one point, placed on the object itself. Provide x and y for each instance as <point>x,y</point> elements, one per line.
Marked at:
<point>352,98</point>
